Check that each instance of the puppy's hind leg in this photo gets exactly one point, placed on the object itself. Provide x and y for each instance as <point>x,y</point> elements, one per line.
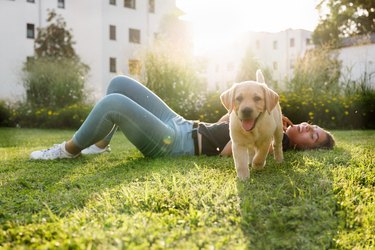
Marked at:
<point>259,160</point>
<point>278,145</point>
<point>241,161</point>
<point>251,153</point>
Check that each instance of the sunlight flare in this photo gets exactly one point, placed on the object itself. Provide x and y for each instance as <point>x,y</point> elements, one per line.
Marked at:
<point>218,22</point>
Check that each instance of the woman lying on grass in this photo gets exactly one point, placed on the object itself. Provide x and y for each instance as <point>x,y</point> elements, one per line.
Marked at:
<point>156,130</point>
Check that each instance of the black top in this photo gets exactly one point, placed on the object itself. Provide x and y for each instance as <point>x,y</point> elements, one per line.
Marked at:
<point>216,135</point>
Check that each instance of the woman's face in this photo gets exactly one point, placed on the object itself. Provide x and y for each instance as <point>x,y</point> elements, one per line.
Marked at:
<point>306,136</point>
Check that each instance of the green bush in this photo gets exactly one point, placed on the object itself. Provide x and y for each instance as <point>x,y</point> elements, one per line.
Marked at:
<point>356,111</point>
<point>5,114</point>
<point>316,73</point>
<point>204,107</point>
<point>69,117</point>
<point>175,80</point>
<point>54,83</point>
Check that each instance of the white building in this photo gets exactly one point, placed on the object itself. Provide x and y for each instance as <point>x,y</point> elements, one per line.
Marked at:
<point>108,33</point>
<point>275,51</point>
<point>358,60</point>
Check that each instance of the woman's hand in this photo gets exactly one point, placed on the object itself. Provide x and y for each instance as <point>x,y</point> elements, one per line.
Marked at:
<point>286,123</point>
<point>224,118</point>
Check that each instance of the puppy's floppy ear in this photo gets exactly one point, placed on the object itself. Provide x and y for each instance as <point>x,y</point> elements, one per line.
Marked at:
<point>271,99</point>
<point>260,77</point>
<point>227,98</point>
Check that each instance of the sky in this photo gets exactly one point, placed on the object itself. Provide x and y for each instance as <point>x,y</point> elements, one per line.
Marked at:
<point>217,22</point>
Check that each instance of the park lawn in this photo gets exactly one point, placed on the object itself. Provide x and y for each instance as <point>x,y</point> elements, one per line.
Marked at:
<point>314,200</point>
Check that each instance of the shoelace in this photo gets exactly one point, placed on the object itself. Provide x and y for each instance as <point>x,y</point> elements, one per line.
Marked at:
<point>52,150</point>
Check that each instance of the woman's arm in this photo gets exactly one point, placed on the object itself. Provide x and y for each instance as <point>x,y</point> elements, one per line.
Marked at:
<point>224,118</point>
<point>286,123</point>
<point>227,150</point>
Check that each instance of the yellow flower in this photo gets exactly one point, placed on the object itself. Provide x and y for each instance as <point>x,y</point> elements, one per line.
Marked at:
<point>327,110</point>
<point>49,112</point>
<point>333,118</point>
<point>346,113</point>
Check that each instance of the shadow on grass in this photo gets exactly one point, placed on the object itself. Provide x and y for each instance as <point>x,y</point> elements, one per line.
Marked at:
<point>35,188</point>
<point>62,185</point>
<point>292,205</point>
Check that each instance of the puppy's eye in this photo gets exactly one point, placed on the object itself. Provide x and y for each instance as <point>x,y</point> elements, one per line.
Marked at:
<point>257,98</point>
<point>239,98</point>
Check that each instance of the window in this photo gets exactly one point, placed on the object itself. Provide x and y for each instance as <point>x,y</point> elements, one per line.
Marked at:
<point>275,66</point>
<point>112,32</point>
<point>30,59</point>
<point>292,61</point>
<point>308,41</point>
<point>274,44</point>
<point>134,67</point>
<point>291,42</point>
<point>151,6</point>
<point>257,44</point>
<point>30,33</point>
<point>61,4</point>
<point>230,66</point>
<point>112,2</point>
<point>134,36</point>
<point>30,1</point>
<point>112,65</point>
<point>129,4</point>
<point>217,68</point>
<point>156,36</point>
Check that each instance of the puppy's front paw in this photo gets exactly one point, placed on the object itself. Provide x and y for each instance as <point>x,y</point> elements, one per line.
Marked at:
<point>279,159</point>
<point>279,156</point>
<point>243,173</point>
<point>258,165</point>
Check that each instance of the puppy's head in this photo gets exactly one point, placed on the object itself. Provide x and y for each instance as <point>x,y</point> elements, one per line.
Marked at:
<point>249,100</point>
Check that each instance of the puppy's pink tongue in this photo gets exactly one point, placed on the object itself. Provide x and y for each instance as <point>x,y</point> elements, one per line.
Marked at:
<point>247,124</point>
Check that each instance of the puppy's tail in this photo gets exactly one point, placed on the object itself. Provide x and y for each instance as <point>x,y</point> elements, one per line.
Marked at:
<point>259,76</point>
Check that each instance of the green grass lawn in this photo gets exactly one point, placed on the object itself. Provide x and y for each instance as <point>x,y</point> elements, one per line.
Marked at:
<point>314,200</point>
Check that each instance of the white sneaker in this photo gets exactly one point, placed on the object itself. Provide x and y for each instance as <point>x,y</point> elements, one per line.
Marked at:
<point>93,149</point>
<point>56,152</point>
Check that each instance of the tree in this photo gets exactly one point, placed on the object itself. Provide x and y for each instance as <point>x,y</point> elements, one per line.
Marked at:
<point>170,70</point>
<point>345,18</point>
<point>55,40</point>
<point>173,79</point>
<point>317,73</point>
<point>249,66</point>
<point>55,77</point>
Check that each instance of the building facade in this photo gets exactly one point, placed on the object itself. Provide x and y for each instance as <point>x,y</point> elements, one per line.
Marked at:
<point>108,35</point>
<point>277,52</point>
<point>357,56</point>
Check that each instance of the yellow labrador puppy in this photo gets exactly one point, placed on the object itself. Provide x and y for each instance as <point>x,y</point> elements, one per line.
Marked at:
<point>255,120</point>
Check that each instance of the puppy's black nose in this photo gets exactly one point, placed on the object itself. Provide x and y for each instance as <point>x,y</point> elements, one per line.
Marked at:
<point>246,112</point>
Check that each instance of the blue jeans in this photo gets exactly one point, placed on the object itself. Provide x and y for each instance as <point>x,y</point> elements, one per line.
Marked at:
<point>147,122</point>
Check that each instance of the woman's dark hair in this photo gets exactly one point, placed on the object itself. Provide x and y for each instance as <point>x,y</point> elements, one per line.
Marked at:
<point>328,143</point>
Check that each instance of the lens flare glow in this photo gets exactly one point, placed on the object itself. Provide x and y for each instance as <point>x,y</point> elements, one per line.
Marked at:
<point>218,22</point>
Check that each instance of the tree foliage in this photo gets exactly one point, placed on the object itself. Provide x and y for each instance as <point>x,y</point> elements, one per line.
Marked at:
<point>170,70</point>
<point>54,83</point>
<point>248,67</point>
<point>55,40</point>
<point>345,18</point>
<point>173,79</point>
<point>55,77</point>
<point>316,74</point>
